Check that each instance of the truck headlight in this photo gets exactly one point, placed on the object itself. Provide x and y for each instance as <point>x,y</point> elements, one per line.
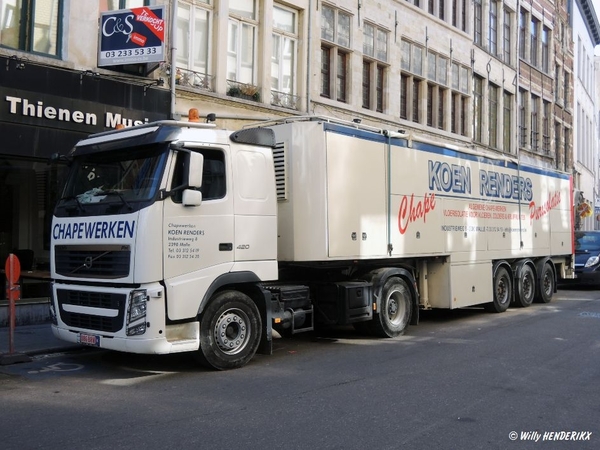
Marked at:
<point>136,313</point>
<point>592,261</point>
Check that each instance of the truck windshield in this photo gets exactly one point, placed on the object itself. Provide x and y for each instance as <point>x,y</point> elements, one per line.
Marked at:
<point>124,177</point>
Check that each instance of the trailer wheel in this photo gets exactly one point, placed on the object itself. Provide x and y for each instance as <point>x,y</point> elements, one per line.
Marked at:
<point>525,287</point>
<point>230,329</point>
<point>546,287</point>
<point>502,291</point>
<point>395,308</point>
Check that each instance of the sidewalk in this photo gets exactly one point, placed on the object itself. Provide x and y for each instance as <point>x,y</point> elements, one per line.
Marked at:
<point>31,340</point>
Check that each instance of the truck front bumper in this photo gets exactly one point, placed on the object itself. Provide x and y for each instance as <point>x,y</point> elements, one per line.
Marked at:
<point>118,318</point>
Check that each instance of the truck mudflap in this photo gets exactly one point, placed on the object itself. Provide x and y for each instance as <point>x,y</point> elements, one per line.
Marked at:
<point>265,347</point>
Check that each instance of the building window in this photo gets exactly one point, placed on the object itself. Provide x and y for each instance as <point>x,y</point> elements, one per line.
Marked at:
<point>369,40</point>
<point>412,58</point>
<point>478,22</point>
<point>283,59</point>
<point>335,29</point>
<point>406,56</point>
<point>382,45</point>
<point>557,142</point>
<point>522,34</point>
<point>431,66</point>
<point>566,147</point>
<point>459,99</point>
<point>455,13</point>
<point>442,67</point>
<point>493,115</point>
<point>375,46</point>
<point>110,5</point>
<point>453,113</point>
<point>366,85</point>
<point>412,61</point>
<point>464,80</point>
<point>404,83</point>
<point>493,28</point>
<point>546,127</point>
<point>522,120</point>
<point>326,72</point>
<point>535,134</point>
<point>566,93</point>
<point>459,114</point>
<point>341,74</point>
<point>477,108</point>
<point>506,39</point>
<point>379,88</point>
<point>335,26</point>
<point>507,122</point>
<point>417,60</point>
<point>241,42</point>
<point>193,38</point>
<point>375,42</point>
<point>455,76</point>
<point>437,67</point>
<point>545,50</point>
<point>558,98</point>
<point>430,102</point>
<point>440,110</point>
<point>415,101</point>
<point>534,42</point>
<point>32,26</point>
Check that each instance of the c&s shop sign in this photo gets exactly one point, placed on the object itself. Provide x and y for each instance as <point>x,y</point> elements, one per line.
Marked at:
<point>132,36</point>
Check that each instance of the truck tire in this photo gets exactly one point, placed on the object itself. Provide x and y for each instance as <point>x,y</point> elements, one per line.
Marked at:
<point>525,287</point>
<point>546,286</point>
<point>230,330</point>
<point>502,291</point>
<point>395,307</point>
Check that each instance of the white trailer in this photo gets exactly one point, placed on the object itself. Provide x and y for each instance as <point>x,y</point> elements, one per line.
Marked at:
<point>177,236</point>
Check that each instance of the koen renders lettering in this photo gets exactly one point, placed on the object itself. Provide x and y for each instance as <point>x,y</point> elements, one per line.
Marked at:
<point>114,229</point>
<point>456,179</point>
<point>452,178</point>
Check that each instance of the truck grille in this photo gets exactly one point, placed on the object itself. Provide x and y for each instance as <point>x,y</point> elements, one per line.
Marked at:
<point>92,261</point>
<point>100,300</point>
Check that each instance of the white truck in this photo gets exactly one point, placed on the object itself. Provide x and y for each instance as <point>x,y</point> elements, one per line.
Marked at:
<point>177,236</point>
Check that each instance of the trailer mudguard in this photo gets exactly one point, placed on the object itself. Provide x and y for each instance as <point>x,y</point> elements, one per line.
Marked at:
<point>378,278</point>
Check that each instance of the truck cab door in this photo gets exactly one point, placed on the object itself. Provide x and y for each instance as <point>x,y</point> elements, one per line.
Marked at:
<point>198,240</point>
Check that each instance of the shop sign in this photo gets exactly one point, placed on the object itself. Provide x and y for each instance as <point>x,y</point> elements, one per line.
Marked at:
<point>132,36</point>
<point>39,109</point>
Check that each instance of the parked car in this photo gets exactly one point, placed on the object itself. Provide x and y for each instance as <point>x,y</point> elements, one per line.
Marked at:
<point>587,257</point>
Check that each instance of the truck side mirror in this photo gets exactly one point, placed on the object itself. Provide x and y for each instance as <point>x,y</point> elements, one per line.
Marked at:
<point>57,157</point>
<point>195,170</point>
<point>191,197</point>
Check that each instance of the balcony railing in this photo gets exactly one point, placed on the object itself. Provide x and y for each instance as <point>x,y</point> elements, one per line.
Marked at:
<point>190,78</point>
<point>246,91</point>
<point>285,100</point>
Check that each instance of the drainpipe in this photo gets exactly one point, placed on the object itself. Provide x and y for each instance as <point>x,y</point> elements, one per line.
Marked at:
<point>308,52</point>
<point>173,54</point>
